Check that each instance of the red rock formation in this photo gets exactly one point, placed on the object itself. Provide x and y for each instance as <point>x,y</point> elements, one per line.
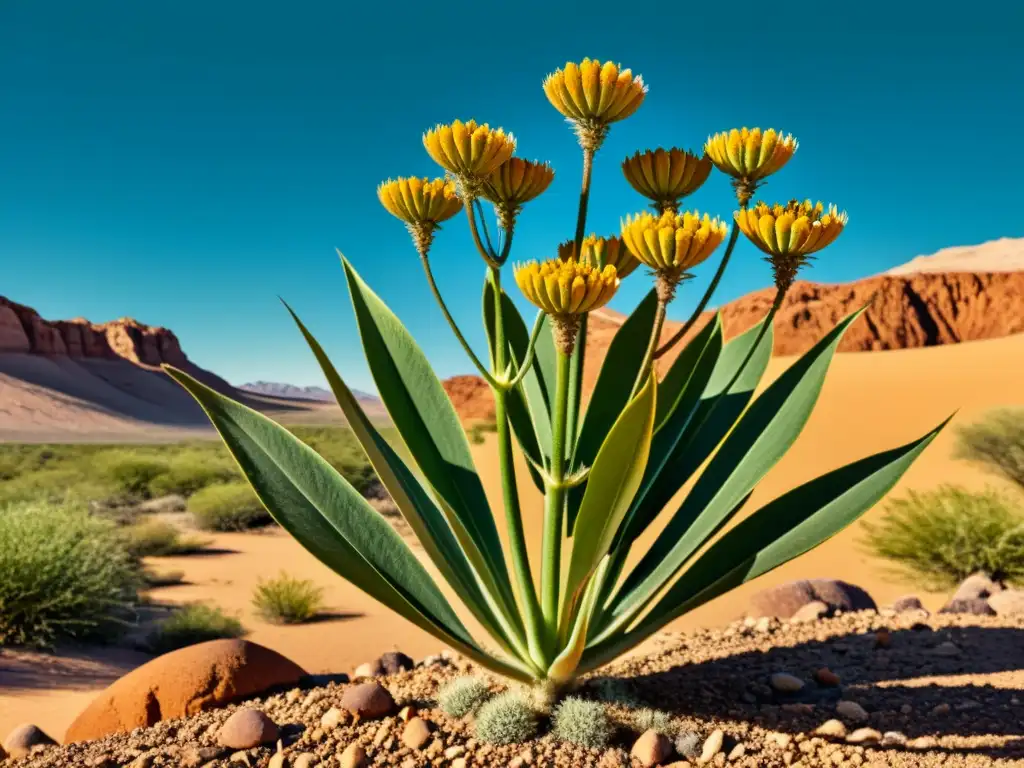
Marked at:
<point>471,397</point>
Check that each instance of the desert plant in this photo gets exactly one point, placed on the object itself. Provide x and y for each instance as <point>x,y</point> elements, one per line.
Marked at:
<point>688,744</point>
<point>287,600</point>
<point>508,718</point>
<point>158,538</point>
<point>582,722</point>
<point>64,574</point>
<point>947,534</point>
<point>996,443</point>
<point>227,507</point>
<point>131,471</point>
<point>193,623</point>
<point>462,696</point>
<point>190,472</point>
<point>649,719</point>
<point>155,579</point>
<point>607,471</point>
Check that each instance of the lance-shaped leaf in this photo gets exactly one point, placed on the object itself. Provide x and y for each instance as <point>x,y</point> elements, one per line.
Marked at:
<point>426,420</point>
<point>563,668</point>
<point>612,390</point>
<point>762,437</point>
<point>783,529</point>
<point>614,479</point>
<point>318,507</point>
<point>423,516</point>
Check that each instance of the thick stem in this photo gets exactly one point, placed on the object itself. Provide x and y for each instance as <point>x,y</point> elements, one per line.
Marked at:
<point>554,501</point>
<point>707,294</point>
<point>510,494</point>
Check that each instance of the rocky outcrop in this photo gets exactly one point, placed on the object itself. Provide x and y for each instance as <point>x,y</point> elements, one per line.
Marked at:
<point>23,330</point>
<point>471,397</point>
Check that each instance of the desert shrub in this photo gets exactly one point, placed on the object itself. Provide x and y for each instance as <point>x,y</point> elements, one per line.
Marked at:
<point>615,690</point>
<point>997,443</point>
<point>582,722</point>
<point>63,574</point>
<point>191,472</point>
<point>157,538</point>
<point>945,535</point>
<point>648,719</point>
<point>287,600</point>
<point>688,744</point>
<point>130,471</point>
<point>163,578</point>
<point>228,507</point>
<point>191,624</point>
<point>462,696</point>
<point>506,719</point>
<point>479,430</point>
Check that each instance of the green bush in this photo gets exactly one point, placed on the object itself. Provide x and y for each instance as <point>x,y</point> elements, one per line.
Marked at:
<point>191,472</point>
<point>615,690</point>
<point>228,507</point>
<point>287,600</point>
<point>131,472</point>
<point>945,535</point>
<point>191,624</point>
<point>582,722</point>
<point>63,574</point>
<point>157,538</point>
<point>462,696</point>
<point>506,719</point>
<point>997,443</point>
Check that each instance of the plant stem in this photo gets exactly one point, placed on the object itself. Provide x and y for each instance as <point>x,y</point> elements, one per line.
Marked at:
<point>488,255</point>
<point>513,512</point>
<point>455,328</point>
<point>554,500</point>
<point>581,337</point>
<point>733,236</point>
<point>645,366</point>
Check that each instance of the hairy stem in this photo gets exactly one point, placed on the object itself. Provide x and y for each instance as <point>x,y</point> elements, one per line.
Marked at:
<point>554,501</point>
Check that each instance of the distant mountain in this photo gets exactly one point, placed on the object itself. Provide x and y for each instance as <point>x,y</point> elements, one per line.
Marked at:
<point>279,389</point>
<point>1003,255</point>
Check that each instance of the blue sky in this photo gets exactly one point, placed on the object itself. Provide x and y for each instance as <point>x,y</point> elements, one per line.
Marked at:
<point>185,163</point>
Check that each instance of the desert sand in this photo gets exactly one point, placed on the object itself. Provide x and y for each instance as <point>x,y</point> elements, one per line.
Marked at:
<point>1003,255</point>
<point>870,402</point>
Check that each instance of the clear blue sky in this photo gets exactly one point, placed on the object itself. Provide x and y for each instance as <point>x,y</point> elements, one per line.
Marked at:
<point>185,162</point>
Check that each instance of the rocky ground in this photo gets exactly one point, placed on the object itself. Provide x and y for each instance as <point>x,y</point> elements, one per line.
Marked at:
<point>864,688</point>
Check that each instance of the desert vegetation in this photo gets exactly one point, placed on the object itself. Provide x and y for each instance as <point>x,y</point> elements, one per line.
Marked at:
<point>191,624</point>
<point>287,600</point>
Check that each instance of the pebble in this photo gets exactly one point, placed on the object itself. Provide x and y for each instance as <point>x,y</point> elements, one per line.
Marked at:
<point>196,756</point>
<point>851,710</point>
<point>333,717</point>
<point>737,752</point>
<point>459,762</point>
<point>906,709</point>
<point>923,742</point>
<point>883,638</point>
<point>864,736</point>
<point>247,728</point>
<point>456,751</point>
<point>781,739</point>
<point>946,649</point>
<point>368,700</point>
<point>652,748</point>
<point>826,677</point>
<point>22,739</point>
<point>407,713</point>
<point>712,745</point>
<point>354,756</point>
<point>893,739</point>
<point>416,733</point>
<point>368,669</point>
<point>786,683</point>
<point>941,709</point>
<point>833,729</point>
<point>278,761</point>
<point>305,760</point>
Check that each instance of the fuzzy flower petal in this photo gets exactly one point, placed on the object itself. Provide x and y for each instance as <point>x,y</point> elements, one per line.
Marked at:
<point>419,201</point>
<point>672,242</point>
<point>750,154</point>
<point>566,287</point>
<point>795,229</point>
<point>595,93</point>
<point>469,149</point>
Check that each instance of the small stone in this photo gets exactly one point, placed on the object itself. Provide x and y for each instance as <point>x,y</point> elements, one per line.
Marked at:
<point>826,677</point>
<point>864,736</point>
<point>652,748</point>
<point>196,756</point>
<point>832,729</point>
<point>941,709</point>
<point>22,739</point>
<point>456,751</point>
<point>394,662</point>
<point>974,606</point>
<point>908,604</point>
<point>883,638</point>
<point>416,733</point>
<point>809,612</point>
<point>236,757</point>
<point>893,739</point>
<point>763,625</point>
<point>783,682</point>
<point>305,760</point>
<point>368,700</point>
<point>142,761</point>
<point>354,756</point>
<point>946,649</point>
<point>407,713</point>
<point>712,745</point>
<point>851,710</point>
<point>247,728</point>
<point>780,739</point>
<point>368,669</point>
<point>459,762</point>
<point>1008,603</point>
<point>278,760</point>
<point>333,717</point>
<point>923,742</point>
<point>737,752</point>
<point>906,709</point>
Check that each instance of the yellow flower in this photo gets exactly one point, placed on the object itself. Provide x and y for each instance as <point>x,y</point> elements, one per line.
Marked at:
<point>665,176</point>
<point>419,201</point>
<point>793,230</point>
<point>517,181</point>
<point>601,251</point>
<point>750,153</point>
<point>593,95</point>
<point>672,243</point>
<point>469,149</point>
<point>566,287</point>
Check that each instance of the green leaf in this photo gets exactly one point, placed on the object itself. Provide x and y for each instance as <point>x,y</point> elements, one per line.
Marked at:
<point>612,390</point>
<point>317,506</point>
<point>614,479</point>
<point>762,437</point>
<point>423,516</point>
<point>426,420</point>
<point>563,668</point>
<point>785,528</point>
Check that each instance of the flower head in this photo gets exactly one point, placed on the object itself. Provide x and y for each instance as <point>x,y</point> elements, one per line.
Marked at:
<point>666,176</point>
<point>672,243</point>
<point>750,154</point>
<point>593,95</point>
<point>790,233</point>
<point>566,287</point>
<point>599,252</point>
<point>419,201</point>
<point>469,151</point>
<point>517,181</point>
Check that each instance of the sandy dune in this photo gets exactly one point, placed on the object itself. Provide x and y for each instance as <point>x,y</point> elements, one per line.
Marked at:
<point>1003,255</point>
<point>871,402</point>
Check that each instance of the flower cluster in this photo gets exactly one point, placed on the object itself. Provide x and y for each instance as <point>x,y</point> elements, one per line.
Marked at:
<point>673,243</point>
<point>599,252</point>
<point>469,151</point>
<point>593,95</point>
<point>666,176</point>
<point>748,155</point>
<point>566,287</point>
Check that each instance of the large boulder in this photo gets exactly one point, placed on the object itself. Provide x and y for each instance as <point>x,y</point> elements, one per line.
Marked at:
<point>972,596</point>
<point>184,682</point>
<point>786,599</point>
<point>22,740</point>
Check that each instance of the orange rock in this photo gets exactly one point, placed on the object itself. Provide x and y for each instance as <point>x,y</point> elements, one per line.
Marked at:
<point>184,682</point>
